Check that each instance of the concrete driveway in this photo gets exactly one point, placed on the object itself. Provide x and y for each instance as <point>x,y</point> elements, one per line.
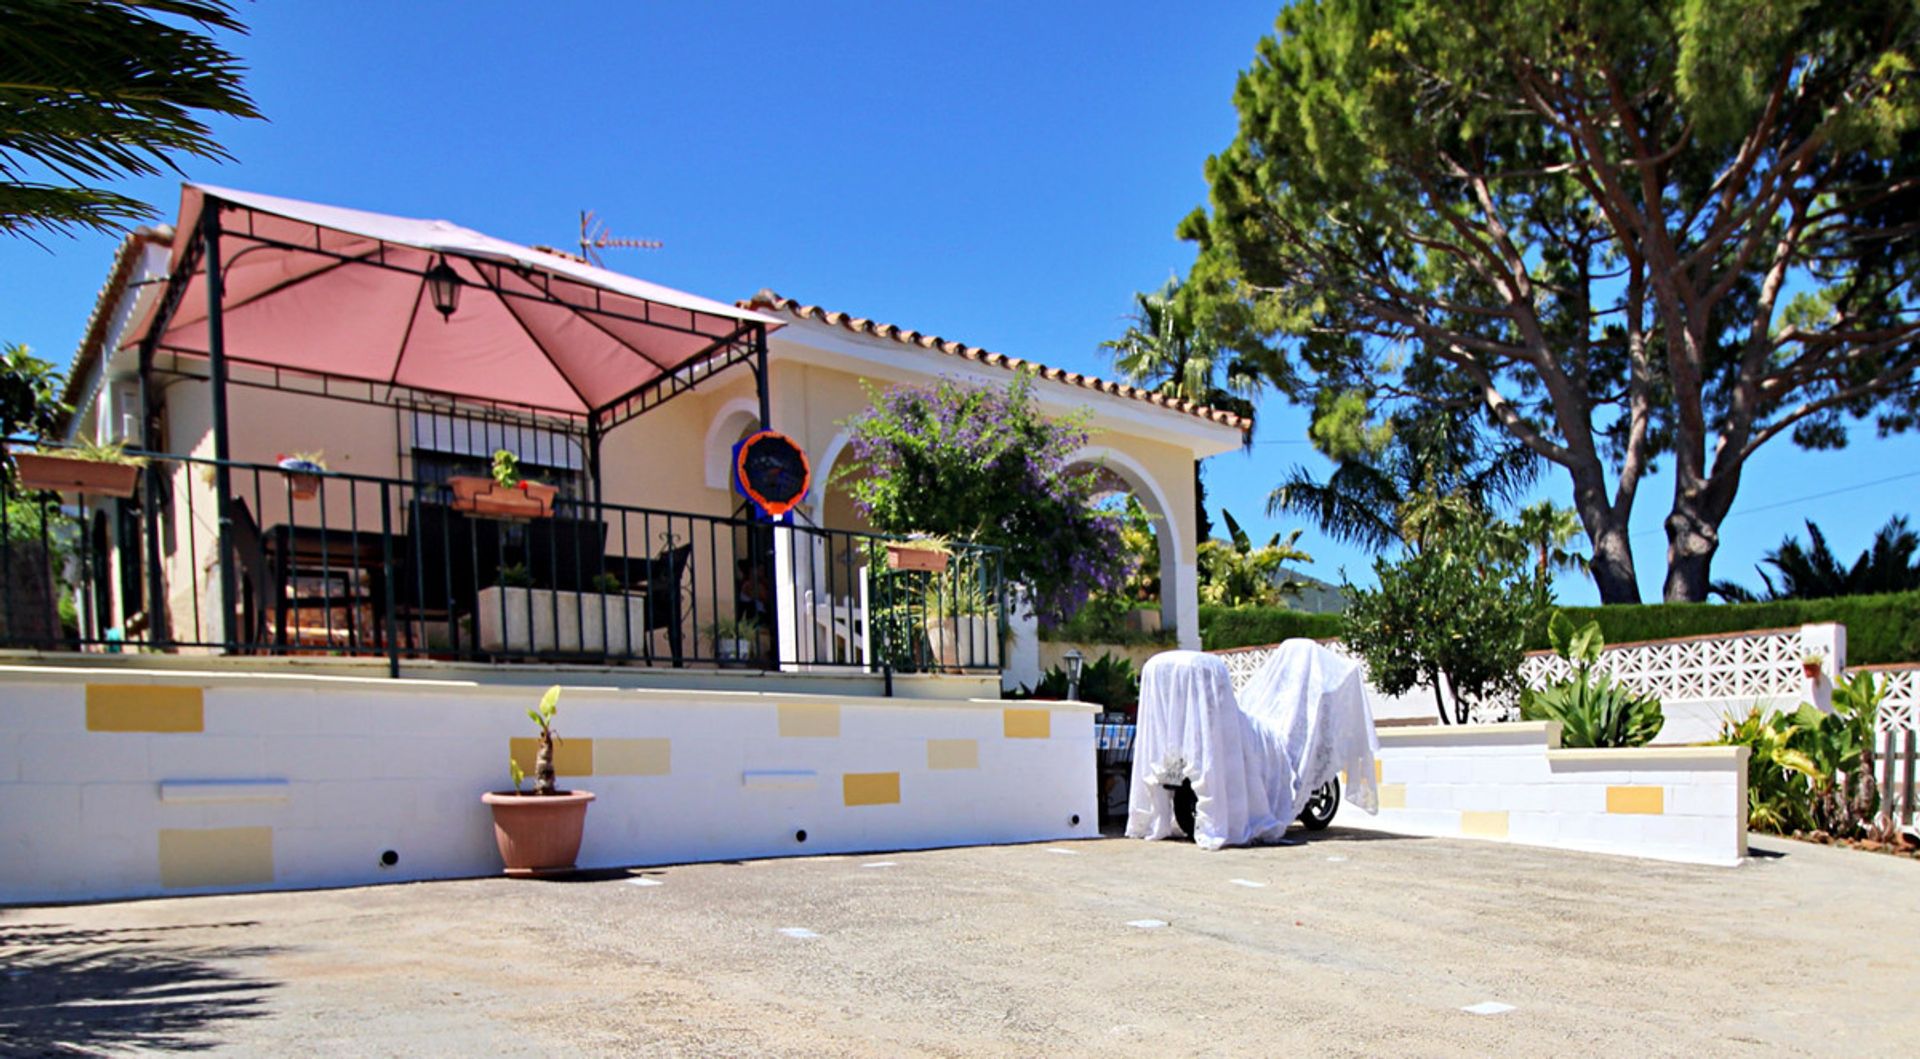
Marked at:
<point>1347,944</point>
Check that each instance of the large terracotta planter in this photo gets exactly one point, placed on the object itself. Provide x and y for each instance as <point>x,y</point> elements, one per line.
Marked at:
<point>902,557</point>
<point>86,477</point>
<point>484,496</point>
<point>538,834</point>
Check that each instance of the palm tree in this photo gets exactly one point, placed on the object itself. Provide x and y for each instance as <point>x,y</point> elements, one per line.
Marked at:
<point>99,90</point>
<point>1546,530</point>
<point>1166,350</point>
<point>1434,468</point>
<point>1812,572</point>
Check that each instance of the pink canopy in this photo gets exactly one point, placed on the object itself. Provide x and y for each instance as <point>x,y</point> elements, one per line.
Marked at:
<point>341,293</point>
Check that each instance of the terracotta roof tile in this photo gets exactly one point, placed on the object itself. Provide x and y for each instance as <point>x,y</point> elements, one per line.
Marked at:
<point>768,300</point>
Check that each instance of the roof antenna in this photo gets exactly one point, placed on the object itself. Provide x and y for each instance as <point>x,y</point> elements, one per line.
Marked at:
<point>594,238</point>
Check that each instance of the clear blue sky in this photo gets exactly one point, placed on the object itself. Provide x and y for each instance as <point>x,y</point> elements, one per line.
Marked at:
<point>1002,174</point>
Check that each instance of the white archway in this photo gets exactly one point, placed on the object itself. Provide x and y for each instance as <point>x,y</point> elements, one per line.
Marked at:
<point>734,416</point>
<point>1179,573</point>
<point>823,470</point>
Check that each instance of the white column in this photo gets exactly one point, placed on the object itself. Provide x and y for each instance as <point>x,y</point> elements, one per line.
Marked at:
<point>1023,651</point>
<point>785,598</point>
<point>1829,640</point>
<point>1186,603</point>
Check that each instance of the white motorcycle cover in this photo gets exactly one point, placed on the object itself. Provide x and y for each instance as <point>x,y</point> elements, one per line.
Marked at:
<point>1314,702</point>
<point>1190,728</point>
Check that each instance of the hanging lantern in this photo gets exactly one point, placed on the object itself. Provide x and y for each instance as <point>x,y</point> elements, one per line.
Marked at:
<point>444,284</point>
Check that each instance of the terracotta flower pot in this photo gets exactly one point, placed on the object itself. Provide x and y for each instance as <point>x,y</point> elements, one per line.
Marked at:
<point>538,834</point>
<point>903,557</point>
<point>304,486</point>
<point>86,477</point>
<point>1812,669</point>
<point>484,496</point>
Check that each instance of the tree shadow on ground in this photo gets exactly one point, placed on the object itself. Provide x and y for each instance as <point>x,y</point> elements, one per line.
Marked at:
<point>78,991</point>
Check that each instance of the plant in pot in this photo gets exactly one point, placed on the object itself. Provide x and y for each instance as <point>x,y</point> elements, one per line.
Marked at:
<point>506,494</point>
<point>87,468</point>
<point>959,618</point>
<point>1810,664</point>
<point>919,552</point>
<point>539,831</point>
<point>735,640</point>
<point>303,471</point>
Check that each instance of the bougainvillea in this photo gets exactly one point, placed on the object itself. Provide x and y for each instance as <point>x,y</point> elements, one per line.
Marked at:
<point>982,464</point>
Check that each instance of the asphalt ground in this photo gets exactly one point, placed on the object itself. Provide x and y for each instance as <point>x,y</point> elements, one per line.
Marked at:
<point>1348,943</point>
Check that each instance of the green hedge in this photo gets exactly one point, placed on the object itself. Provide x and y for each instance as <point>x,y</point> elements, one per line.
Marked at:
<point>1880,629</point>
<point>1222,627</point>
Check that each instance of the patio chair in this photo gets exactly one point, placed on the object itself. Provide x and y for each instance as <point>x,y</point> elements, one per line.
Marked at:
<point>566,553</point>
<point>256,583</point>
<point>666,576</point>
<point>445,561</point>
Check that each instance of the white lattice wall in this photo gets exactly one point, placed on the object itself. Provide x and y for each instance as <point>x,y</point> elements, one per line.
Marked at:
<point>1750,665</point>
<point>1901,708</point>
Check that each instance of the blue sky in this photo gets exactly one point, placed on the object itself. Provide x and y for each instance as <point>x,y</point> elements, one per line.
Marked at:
<point>1006,175</point>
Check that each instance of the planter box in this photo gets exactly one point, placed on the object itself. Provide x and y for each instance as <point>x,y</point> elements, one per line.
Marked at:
<point>547,621</point>
<point>1143,621</point>
<point>86,477</point>
<point>964,641</point>
<point>484,496</point>
<point>901,557</point>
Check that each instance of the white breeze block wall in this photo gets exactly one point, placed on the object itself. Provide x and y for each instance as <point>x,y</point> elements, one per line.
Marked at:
<point>120,784</point>
<point>1512,783</point>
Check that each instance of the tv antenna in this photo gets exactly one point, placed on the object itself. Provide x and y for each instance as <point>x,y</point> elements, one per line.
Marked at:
<point>594,238</point>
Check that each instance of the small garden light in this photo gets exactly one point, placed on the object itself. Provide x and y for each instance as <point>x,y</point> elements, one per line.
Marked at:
<point>444,284</point>
<point>1075,661</point>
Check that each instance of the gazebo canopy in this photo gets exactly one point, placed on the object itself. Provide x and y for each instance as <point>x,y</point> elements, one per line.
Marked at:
<point>340,293</point>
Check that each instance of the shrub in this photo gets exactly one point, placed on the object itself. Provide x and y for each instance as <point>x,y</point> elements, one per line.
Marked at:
<point>1593,709</point>
<point>1109,681</point>
<point>1224,627</point>
<point>1810,769</point>
<point>1880,629</point>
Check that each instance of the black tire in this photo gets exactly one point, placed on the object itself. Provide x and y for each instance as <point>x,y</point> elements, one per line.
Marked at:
<point>1321,805</point>
<point>1185,804</point>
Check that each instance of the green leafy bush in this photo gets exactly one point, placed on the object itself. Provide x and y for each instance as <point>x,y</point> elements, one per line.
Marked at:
<point>1109,681</point>
<point>1593,709</point>
<point>1104,621</point>
<point>1880,629</point>
<point>1812,770</point>
<point>1224,627</point>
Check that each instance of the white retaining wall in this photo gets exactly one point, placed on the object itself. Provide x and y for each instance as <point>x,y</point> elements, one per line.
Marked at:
<point>1511,782</point>
<point>121,784</point>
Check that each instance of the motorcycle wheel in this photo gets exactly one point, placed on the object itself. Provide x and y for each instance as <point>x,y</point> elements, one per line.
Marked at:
<point>1321,805</point>
<point>1185,803</point>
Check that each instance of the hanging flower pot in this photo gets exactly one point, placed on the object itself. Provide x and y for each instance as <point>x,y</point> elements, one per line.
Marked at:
<point>929,554</point>
<point>1811,666</point>
<point>67,474</point>
<point>303,475</point>
<point>486,497</point>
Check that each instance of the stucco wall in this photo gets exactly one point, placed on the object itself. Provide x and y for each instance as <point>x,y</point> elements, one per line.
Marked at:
<point>118,785</point>
<point>1512,783</point>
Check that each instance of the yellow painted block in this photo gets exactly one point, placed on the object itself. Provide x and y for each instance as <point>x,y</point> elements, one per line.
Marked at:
<point>1486,825</point>
<point>1028,724</point>
<point>145,708</point>
<point>1379,770</point>
<point>871,788</point>
<point>1393,796</point>
<point>809,720</point>
<point>953,753</point>
<point>632,757</point>
<point>217,856</point>
<point>571,757</point>
<point>1651,801</point>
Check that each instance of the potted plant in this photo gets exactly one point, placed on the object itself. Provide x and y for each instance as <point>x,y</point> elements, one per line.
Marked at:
<point>1811,663</point>
<point>518,617</point>
<point>539,831</point>
<point>303,471</point>
<point>735,640</point>
<point>87,468</point>
<point>919,552</point>
<point>504,495</point>
<point>959,619</point>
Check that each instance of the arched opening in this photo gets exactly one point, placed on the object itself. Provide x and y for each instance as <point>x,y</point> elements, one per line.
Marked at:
<point>1121,474</point>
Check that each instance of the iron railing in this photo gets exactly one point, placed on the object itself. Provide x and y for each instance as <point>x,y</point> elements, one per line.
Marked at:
<point>359,565</point>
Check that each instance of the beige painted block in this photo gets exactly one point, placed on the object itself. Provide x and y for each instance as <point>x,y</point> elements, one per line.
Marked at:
<point>953,753</point>
<point>571,757</point>
<point>1393,796</point>
<point>871,788</point>
<point>1028,724</point>
<point>217,856</point>
<point>810,720</point>
<point>632,757</point>
<point>1649,801</point>
<point>145,708</point>
<point>1379,770</point>
<point>1485,825</point>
